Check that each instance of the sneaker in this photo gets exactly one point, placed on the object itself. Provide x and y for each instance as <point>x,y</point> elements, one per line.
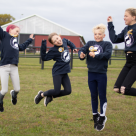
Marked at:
<point>38,97</point>
<point>101,123</point>
<point>96,118</point>
<point>14,98</point>
<point>47,100</point>
<point>1,107</point>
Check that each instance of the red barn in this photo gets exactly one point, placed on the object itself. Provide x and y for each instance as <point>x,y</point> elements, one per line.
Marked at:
<point>77,40</point>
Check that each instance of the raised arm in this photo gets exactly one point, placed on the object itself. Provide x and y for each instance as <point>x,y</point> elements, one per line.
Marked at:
<point>24,45</point>
<point>46,56</point>
<point>1,33</point>
<point>70,44</point>
<point>112,34</point>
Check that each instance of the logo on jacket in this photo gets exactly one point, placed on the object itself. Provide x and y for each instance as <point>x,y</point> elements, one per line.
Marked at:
<point>92,49</point>
<point>96,49</point>
<point>61,49</point>
<point>129,38</point>
<point>13,43</point>
<point>65,56</point>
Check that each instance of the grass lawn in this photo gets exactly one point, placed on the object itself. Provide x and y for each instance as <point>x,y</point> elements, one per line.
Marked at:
<point>69,115</point>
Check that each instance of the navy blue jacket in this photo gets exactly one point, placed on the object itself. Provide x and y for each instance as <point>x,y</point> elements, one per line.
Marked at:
<point>60,54</point>
<point>102,51</point>
<point>128,35</point>
<point>10,48</point>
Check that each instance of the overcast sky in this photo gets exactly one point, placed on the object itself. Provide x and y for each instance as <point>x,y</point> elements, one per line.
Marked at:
<point>78,15</point>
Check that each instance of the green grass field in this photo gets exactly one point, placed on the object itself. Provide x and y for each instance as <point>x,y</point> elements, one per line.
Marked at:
<point>69,115</point>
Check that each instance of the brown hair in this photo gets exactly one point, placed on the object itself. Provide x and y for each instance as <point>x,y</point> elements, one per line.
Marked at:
<point>50,37</point>
<point>132,11</point>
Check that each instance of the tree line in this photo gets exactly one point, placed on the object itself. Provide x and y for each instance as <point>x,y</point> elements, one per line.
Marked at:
<point>6,18</point>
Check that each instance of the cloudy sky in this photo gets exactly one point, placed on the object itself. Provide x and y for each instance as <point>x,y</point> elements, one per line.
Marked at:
<point>77,15</point>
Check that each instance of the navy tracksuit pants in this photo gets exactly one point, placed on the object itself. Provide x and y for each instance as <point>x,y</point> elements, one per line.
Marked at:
<point>97,83</point>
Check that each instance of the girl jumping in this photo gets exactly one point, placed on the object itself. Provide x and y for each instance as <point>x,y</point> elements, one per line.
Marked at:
<point>9,61</point>
<point>127,76</point>
<point>60,54</point>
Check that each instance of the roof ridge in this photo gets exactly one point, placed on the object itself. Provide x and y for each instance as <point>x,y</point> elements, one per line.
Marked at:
<point>44,19</point>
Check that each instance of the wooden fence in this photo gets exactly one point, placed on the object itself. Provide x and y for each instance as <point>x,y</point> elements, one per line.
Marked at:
<point>31,52</point>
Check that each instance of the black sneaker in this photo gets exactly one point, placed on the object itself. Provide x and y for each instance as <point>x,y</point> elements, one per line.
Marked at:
<point>95,118</point>
<point>38,97</point>
<point>47,100</point>
<point>101,123</point>
<point>13,97</point>
<point>1,107</point>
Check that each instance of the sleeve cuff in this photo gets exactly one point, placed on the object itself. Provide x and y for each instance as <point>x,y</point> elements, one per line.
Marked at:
<point>110,23</point>
<point>44,41</point>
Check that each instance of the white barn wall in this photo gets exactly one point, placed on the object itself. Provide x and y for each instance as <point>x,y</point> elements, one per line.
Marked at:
<point>38,25</point>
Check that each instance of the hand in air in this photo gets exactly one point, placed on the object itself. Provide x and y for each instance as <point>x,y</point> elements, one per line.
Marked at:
<point>31,36</point>
<point>44,40</point>
<point>75,50</point>
<point>82,55</point>
<point>109,19</point>
<point>92,54</point>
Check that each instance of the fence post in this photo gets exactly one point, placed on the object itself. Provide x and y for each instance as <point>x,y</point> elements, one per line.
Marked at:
<point>40,59</point>
<point>110,61</point>
<point>115,52</point>
<point>34,51</point>
<point>42,65</point>
<point>71,61</point>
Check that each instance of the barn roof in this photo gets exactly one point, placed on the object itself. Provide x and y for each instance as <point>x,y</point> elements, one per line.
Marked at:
<point>39,25</point>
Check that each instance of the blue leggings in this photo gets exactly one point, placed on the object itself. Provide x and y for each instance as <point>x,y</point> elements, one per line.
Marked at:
<point>57,92</point>
<point>97,83</point>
